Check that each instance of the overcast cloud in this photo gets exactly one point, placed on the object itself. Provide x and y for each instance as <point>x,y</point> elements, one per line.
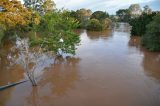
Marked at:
<point>105,5</point>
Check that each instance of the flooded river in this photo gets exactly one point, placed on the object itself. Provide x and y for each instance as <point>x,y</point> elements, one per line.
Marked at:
<point>109,69</point>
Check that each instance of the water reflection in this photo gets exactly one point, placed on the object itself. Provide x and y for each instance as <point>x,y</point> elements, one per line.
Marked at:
<point>93,35</point>
<point>151,60</point>
<point>56,81</point>
<point>114,71</point>
<point>134,41</point>
<point>122,27</point>
<point>151,64</point>
<point>8,74</point>
<point>62,75</point>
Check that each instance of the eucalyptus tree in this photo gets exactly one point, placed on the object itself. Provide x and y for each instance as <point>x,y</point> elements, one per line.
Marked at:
<point>135,10</point>
<point>83,15</point>
<point>40,6</point>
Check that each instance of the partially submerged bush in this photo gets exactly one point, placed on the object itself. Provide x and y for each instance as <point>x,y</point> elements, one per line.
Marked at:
<point>94,25</point>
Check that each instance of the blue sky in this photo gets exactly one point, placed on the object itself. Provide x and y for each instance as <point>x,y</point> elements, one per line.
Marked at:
<point>111,6</point>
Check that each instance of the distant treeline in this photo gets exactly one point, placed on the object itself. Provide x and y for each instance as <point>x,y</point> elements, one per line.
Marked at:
<point>96,21</point>
<point>145,23</point>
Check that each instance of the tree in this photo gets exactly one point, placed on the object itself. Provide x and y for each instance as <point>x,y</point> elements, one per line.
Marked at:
<point>30,59</point>
<point>139,24</point>
<point>147,9</point>
<point>94,25</point>
<point>83,16</point>
<point>106,23</point>
<point>123,14</point>
<point>151,39</point>
<point>74,15</point>
<point>99,15</point>
<point>14,14</point>
<point>41,6</point>
<point>14,17</point>
<point>58,28</point>
<point>135,10</point>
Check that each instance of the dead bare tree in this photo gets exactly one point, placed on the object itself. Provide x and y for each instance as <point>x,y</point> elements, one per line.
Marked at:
<point>30,59</point>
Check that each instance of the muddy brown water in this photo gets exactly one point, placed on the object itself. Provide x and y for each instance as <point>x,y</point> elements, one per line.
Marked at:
<point>109,69</point>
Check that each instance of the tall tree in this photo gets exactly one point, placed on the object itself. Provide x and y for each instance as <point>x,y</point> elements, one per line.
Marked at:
<point>58,28</point>
<point>151,38</point>
<point>40,6</point>
<point>135,10</point>
<point>83,16</point>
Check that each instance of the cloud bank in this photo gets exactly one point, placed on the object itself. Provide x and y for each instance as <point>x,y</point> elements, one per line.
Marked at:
<point>105,5</point>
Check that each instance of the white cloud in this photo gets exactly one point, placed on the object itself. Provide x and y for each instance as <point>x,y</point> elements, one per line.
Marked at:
<point>105,5</point>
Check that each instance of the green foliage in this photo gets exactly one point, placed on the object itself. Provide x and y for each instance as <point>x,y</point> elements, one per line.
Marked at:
<point>139,24</point>
<point>100,15</point>
<point>97,21</point>
<point>151,39</point>
<point>94,25</point>
<point>58,33</point>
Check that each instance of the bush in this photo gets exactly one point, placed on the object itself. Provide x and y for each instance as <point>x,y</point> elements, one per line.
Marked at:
<point>94,25</point>
<point>151,39</point>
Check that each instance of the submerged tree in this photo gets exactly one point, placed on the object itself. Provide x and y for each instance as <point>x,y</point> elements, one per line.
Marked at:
<point>58,28</point>
<point>151,38</point>
<point>30,59</point>
<point>94,25</point>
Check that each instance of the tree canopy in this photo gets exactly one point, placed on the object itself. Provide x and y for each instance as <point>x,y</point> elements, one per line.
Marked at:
<point>99,15</point>
<point>135,10</point>
<point>14,14</point>
<point>151,39</point>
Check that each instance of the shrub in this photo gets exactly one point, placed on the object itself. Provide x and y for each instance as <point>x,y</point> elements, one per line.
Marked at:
<point>94,25</point>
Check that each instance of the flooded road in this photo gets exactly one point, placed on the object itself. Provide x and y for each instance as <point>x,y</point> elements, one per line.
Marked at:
<point>109,69</point>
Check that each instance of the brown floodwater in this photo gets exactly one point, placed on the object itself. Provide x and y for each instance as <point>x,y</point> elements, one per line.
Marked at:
<point>110,68</point>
